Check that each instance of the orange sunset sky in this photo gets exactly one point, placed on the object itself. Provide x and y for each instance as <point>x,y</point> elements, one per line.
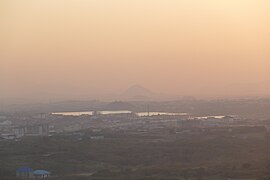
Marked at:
<point>70,48</point>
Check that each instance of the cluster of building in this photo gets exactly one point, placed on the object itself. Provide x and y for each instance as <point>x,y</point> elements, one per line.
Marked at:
<point>51,124</point>
<point>31,130</point>
<point>27,172</point>
<point>10,132</point>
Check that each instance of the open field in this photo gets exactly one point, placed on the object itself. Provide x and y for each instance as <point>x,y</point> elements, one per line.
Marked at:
<point>152,155</point>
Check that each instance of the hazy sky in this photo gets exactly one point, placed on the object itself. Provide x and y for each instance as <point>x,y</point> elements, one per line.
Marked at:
<point>87,47</point>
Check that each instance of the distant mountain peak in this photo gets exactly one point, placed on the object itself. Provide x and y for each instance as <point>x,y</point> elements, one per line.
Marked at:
<point>138,91</point>
<point>137,86</point>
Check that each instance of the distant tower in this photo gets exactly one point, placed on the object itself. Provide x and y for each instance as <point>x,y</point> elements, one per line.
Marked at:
<point>148,113</point>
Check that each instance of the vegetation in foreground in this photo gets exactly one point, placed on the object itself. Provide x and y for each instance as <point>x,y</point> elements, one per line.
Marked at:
<point>153,155</point>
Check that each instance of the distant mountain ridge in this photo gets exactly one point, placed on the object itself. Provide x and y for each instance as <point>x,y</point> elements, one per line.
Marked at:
<point>119,105</point>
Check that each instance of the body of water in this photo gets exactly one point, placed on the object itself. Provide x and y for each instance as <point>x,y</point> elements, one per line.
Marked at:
<point>118,112</point>
<point>90,113</point>
<point>206,117</point>
<point>160,113</point>
<point>73,113</point>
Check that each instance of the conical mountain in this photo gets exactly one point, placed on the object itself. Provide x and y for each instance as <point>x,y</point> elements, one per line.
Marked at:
<point>138,92</point>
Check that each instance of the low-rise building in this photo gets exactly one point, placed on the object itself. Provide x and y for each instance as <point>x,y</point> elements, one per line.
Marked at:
<point>41,174</point>
<point>32,130</point>
<point>24,172</point>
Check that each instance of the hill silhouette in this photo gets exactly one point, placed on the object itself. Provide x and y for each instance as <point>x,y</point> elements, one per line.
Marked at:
<point>119,105</point>
<point>137,92</point>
